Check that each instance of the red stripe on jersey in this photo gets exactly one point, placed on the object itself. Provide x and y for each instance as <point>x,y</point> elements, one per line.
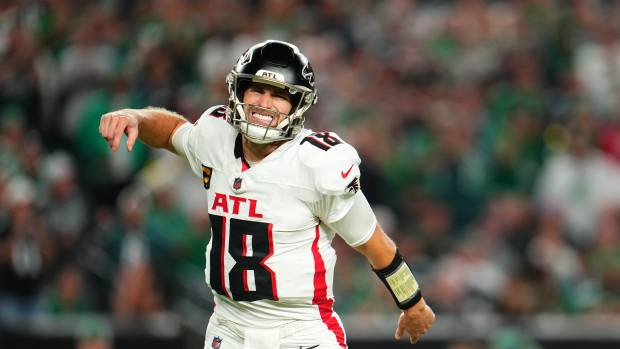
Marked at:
<point>244,252</point>
<point>244,164</point>
<point>222,255</point>
<point>320,293</point>
<point>274,287</point>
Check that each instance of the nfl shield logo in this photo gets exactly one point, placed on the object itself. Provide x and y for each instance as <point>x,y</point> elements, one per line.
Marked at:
<point>237,183</point>
<point>216,342</point>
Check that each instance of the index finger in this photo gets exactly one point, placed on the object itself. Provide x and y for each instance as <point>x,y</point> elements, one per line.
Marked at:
<point>132,135</point>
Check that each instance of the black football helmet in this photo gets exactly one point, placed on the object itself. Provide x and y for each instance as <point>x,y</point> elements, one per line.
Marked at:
<point>279,64</point>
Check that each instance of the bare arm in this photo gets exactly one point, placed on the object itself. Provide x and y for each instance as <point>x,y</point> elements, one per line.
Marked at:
<point>380,251</point>
<point>154,126</point>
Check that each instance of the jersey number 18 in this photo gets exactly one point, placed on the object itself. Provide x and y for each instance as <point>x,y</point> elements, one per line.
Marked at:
<point>250,245</point>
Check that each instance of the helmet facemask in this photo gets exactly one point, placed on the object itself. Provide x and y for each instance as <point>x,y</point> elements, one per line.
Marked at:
<point>278,64</point>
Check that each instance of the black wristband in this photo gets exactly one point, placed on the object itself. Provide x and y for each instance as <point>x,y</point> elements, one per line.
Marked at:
<point>408,297</point>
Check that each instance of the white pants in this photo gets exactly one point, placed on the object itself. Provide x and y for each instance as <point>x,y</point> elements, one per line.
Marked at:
<point>224,334</point>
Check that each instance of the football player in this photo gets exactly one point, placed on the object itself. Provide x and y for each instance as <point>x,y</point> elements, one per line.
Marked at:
<point>277,195</point>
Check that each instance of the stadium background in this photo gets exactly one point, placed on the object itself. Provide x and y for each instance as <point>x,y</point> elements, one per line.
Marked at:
<point>489,133</point>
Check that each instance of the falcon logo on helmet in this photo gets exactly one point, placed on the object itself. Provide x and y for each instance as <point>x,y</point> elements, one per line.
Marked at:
<point>279,64</point>
<point>308,73</point>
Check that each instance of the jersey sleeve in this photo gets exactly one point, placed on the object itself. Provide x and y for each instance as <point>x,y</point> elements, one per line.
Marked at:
<point>196,142</point>
<point>335,176</point>
<point>358,224</point>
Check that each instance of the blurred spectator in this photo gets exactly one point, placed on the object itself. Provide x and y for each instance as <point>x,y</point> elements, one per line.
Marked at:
<point>578,184</point>
<point>603,262</point>
<point>165,223</point>
<point>190,253</point>
<point>136,290</point>
<point>155,81</point>
<point>520,296</point>
<point>26,253</point>
<point>560,264</point>
<point>12,136</point>
<point>597,66</point>
<point>84,65</point>
<point>19,79</point>
<point>137,293</point>
<point>433,227</point>
<point>65,206</point>
<point>467,279</point>
<point>103,172</point>
<point>70,294</point>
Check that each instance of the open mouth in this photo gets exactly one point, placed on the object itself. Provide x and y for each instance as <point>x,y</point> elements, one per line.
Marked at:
<point>262,117</point>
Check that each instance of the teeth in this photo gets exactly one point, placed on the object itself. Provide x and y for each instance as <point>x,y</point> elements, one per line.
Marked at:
<point>262,117</point>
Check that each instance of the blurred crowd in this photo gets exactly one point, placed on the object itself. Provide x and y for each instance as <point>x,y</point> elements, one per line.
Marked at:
<point>489,133</point>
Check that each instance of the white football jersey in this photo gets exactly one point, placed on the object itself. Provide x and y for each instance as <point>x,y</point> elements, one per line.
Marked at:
<point>270,260</point>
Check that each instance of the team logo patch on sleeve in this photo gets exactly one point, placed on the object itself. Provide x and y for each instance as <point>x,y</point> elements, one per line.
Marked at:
<point>354,186</point>
<point>217,341</point>
<point>206,176</point>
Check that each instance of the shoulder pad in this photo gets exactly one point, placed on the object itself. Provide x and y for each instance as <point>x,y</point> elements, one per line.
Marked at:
<point>211,128</point>
<point>214,118</point>
<point>216,111</point>
<point>333,164</point>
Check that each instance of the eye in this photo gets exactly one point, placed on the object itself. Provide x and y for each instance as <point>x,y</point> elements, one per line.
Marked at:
<point>256,89</point>
<point>282,95</point>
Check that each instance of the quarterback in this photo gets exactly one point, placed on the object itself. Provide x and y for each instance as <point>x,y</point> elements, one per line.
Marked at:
<point>277,194</point>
